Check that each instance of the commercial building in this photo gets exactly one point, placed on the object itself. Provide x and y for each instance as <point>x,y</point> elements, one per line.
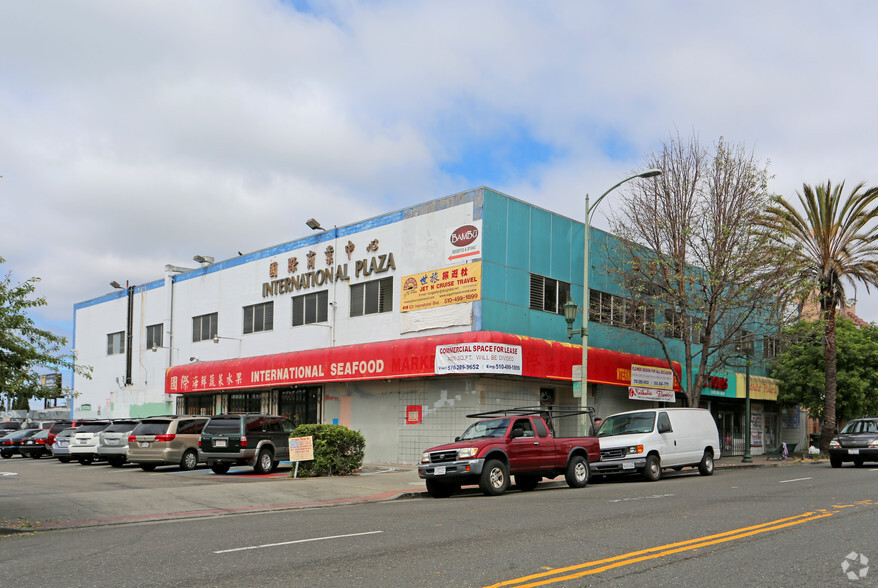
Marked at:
<point>397,326</point>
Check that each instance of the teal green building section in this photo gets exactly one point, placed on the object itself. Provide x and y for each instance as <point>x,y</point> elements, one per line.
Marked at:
<point>520,239</point>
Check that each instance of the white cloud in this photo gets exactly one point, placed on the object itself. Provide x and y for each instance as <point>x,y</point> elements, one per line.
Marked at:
<point>138,134</point>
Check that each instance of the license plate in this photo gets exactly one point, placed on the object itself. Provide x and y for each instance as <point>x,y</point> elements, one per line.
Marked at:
<point>112,441</point>
<point>627,466</point>
<point>439,471</point>
<point>219,442</point>
<point>144,444</point>
<point>853,451</point>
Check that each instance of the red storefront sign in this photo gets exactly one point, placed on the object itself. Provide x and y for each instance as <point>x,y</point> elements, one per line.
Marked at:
<point>403,358</point>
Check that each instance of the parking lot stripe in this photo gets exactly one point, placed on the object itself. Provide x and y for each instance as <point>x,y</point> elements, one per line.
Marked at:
<point>794,480</point>
<point>297,541</point>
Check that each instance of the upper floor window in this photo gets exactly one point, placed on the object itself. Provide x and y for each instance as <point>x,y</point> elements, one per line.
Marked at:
<point>610,309</point>
<point>116,343</point>
<point>204,327</point>
<point>548,294</point>
<point>154,336</point>
<point>673,324</point>
<point>770,347</point>
<point>310,308</point>
<point>372,297</point>
<point>259,317</point>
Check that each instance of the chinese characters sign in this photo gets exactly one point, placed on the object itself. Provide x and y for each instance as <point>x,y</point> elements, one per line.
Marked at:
<point>442,287</point>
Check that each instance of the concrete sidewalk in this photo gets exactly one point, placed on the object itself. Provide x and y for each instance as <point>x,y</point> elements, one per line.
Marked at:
<point>238,493</point>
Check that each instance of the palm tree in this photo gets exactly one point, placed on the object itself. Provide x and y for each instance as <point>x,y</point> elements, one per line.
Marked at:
<point>837,242</point>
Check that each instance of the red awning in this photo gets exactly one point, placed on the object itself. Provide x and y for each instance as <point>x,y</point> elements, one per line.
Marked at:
<point>483,352</point>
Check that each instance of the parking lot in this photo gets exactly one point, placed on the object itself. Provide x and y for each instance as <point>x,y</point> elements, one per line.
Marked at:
<point>44,493</point>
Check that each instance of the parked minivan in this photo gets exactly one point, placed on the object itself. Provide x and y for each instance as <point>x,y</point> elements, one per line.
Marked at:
<point>646,441</point>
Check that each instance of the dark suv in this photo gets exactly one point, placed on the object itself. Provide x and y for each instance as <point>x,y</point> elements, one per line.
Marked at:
<point>856,442</point>
<point>258,440</point>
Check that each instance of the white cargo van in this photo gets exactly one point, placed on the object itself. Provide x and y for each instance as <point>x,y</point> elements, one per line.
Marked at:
<point>645,441</point>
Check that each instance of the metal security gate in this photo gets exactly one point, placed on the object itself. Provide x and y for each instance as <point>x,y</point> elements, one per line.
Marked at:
<point>731,431</point>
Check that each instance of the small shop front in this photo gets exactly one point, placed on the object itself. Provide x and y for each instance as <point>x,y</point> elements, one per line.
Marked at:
<point>725,397</point>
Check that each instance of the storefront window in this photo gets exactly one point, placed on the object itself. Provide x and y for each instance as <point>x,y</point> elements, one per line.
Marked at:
<point>300,405</point>
<point>241,403</point>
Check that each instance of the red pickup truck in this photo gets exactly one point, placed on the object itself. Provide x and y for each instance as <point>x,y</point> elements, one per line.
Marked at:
<point>519,442</point>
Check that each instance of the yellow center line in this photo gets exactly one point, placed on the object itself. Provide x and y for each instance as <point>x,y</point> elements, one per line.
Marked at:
<point>661,551</point>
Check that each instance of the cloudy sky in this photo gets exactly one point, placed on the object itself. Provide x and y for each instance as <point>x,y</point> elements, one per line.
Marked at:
<point>138,134</point>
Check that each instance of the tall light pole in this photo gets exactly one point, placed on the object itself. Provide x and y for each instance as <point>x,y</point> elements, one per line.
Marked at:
<point>570,307</point>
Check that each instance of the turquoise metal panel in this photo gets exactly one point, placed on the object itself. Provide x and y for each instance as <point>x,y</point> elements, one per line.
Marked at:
<point>518,234</point>
<point>561,249</point>
<point>494,227</point>
<point>540,233</point>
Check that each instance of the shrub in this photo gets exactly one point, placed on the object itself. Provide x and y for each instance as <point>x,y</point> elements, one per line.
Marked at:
<point>338,451</point>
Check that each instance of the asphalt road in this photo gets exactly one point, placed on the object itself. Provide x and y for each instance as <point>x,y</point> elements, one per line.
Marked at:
<point>789,526</point>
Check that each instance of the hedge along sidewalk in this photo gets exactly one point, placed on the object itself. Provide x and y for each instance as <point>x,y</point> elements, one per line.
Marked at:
<point>338,450</point>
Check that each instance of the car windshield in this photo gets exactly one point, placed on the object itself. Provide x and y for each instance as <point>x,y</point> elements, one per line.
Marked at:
<point>491,428</point>
<point>223,426</point>
<point>627,424</point>
<point>151,428</point>
<point>91,428</point>
<point>120,427</point>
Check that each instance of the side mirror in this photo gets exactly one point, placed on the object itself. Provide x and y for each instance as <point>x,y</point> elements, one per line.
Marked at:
<point>517,433</point>
<point>456,439</point>
<point>664,428</point>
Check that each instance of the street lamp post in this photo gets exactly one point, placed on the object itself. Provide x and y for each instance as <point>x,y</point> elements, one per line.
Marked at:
<point>570,306</point>
<point>744,348</point>
<point>747,457</point>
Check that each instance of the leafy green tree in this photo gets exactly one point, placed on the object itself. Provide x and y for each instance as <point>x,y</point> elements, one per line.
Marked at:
<point>836,242</point>
<point>24,347</point>
<point>800,369</point>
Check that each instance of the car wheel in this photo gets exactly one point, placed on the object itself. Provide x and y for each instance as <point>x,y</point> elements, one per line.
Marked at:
<point>835,462</point>
<point>117,461</point>
<point>6,455</point>
<point>274,465</point>
<point>652,472</point>
<point>706,467</point>
<point>263,462</point>
<point>438,489</point>
<point>85,460</point>
<point>526,482</point>
<point>495,478</point>
<point>64,459</point>
<point>189,460</point>
<point>858,462</point>
<point>148,467</point>
<point>577,472</point>
<point>220,468</point>
<point>39,455</point>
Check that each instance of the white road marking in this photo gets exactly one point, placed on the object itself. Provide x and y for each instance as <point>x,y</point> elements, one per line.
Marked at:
<point>297,541</point>
<point>796,480</point>
<point>641,497</point>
